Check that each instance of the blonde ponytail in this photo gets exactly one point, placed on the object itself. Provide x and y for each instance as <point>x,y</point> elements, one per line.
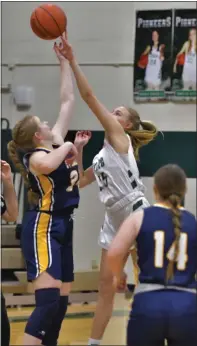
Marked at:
<point>142,137</point>
<point>13,154</point>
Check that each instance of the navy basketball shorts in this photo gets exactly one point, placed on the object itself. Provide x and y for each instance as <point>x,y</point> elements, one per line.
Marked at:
<point>47,245</point>
<point>163,315</point>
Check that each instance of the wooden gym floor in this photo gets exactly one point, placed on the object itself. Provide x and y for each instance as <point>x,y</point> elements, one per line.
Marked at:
<point>76,327</point>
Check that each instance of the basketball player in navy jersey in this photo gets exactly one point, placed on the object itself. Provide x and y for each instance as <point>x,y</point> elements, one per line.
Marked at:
<point>47,228</point>
<point>9,213</point>
<point>115,169</point>
<point>165,301</point>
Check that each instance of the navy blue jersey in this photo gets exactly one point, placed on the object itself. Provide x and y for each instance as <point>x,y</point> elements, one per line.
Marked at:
<point>3,205</point>
<point>57,190</point>
<point>155,246</point>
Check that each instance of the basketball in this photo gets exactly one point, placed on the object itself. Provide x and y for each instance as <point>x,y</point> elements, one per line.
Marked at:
<point>48,21</point>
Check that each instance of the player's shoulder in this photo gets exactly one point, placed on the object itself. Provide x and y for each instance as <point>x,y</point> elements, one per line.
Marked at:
<point>187,214</point>
<point>186,44</point>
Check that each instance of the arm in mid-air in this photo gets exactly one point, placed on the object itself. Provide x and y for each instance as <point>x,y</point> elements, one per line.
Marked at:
<point>115,132</point>
<point>85,177</point>
<point>61,126</point>
<point>43,163</point>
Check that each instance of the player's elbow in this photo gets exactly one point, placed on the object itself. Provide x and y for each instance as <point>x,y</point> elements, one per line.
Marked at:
<point>82,183</point>
<point>10,216</point>
<point>13,217</point>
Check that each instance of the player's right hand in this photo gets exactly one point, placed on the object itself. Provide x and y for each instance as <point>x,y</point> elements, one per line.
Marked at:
<point>64,48</point>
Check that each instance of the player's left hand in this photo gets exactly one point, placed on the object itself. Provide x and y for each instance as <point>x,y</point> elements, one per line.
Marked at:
<point>120,283</point>
<point>82,138</point>
<point>6,173</point>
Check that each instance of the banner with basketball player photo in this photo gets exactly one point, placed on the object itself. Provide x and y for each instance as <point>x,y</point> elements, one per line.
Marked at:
<point>184,56</point>
<point>152,62</point>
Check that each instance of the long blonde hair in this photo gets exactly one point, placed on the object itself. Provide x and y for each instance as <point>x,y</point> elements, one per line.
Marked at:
<point>140,137</point>
<point>22,134</point>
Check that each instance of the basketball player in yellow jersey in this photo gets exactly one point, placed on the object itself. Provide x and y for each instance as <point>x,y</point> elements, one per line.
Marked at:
<point>189,50</point>
<point>47,226</point>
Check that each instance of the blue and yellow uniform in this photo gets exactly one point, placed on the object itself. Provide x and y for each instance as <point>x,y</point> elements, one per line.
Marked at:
<point>47,230</point>
<point>165,310</point>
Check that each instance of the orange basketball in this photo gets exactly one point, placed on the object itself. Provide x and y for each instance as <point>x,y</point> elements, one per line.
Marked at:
<point>181,59</point>
<point>143,61</point>
<point>48,21</point>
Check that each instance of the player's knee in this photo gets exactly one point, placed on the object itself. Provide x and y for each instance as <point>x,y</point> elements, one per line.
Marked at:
<point>106,289</point>
<point>47,303</point>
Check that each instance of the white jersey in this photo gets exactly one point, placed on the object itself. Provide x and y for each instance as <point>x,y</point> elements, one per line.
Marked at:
<point>189,68</point>
<point>117,175</point>
<point>153,69</point>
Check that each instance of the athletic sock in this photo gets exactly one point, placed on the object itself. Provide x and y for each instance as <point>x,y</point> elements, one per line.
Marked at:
<point>94,342</point>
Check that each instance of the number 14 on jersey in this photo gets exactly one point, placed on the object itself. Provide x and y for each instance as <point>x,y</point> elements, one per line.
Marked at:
<point>159,237</point>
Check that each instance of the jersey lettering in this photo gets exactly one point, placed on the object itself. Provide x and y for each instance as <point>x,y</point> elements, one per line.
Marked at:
<point>103,180</point>
<point>99,164</point>
<point>133,181</point>
<point>74,178</point>
<point>159,237</point>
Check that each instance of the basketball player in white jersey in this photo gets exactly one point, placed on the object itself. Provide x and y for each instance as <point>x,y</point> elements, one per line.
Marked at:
<point>116,173</point>
<point>155,59</point>
<point>189,50</point>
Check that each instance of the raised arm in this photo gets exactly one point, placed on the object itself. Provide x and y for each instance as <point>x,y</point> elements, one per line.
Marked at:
<point>85,177</point>
<point>43,163</point>
<point>123,241</point>
<point>61,126</point>
<point>114,130</point>
<point>11,212</point>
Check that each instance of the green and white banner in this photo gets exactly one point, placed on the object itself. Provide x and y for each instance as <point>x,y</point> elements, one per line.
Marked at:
<point>165,56</point>
<point>153,49</point>
<point>184,56</point>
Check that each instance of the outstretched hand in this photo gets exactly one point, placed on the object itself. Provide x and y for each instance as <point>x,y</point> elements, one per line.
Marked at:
<point>82,138</point>
<point>64,50</point>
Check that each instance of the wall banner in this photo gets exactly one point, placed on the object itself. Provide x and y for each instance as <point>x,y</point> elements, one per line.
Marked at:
<point>184,56</point>
<point>153,56</point>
